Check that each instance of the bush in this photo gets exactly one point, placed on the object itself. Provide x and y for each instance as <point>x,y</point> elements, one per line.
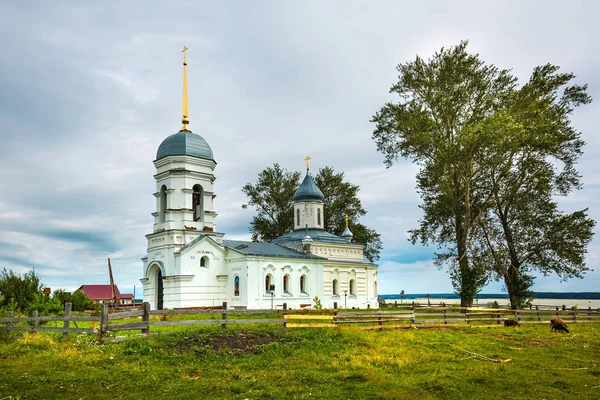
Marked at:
<point>318,304</point>
<point>18,291</point>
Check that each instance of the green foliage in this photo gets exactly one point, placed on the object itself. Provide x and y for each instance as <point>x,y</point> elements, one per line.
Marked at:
<point>18,291</point>
<point>318,305</point>
<point>79,301</point>
<point>272,197</point>
<point>492,158</point>
<point>273,193</point>
<point>45,305</point>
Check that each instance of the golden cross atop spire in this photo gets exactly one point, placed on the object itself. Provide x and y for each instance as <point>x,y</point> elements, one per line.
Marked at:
<point>346,220</point>
<point>307,159</point>
<point>184,120</point>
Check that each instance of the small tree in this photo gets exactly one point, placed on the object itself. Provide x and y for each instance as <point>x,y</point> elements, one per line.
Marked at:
<point>19,291</point>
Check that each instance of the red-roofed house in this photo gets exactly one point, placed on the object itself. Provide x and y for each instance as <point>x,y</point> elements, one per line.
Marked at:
<point>101,294</point>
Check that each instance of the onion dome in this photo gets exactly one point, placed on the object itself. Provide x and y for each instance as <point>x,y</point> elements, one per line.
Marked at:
<point>347,234</point>
<point>185,143</point>
<point>308,190</point>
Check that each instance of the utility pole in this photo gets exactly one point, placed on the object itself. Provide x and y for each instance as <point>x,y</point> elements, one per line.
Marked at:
<point>112,286</point>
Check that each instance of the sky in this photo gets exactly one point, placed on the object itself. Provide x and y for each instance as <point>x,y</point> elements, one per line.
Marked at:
<point>88,91</point>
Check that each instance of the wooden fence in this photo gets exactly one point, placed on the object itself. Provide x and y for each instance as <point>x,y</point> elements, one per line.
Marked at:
<point>366,319</point>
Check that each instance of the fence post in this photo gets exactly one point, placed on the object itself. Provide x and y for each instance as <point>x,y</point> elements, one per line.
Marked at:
<point>499,316</point>
<point>67,319</point>
<point>517,315</point>
<point>284,313</point>
<point>34,315</point>
<point>589,313</point>
<point>412,316</point>
<point>537,308</point>
<point>9,315</point>
<point>224,315</point>
<point>468,313</point>
<point>379,318</point>
<point>146,316</point>
<point>104,320</point>
<point>335,318</point>
<point>445,321</point>
<point>574,315</point>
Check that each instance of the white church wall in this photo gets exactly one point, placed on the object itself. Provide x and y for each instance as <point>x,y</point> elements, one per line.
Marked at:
<point>254,291</point>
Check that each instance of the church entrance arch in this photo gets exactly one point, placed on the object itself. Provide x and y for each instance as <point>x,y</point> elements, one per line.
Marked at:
<point>159,290</point>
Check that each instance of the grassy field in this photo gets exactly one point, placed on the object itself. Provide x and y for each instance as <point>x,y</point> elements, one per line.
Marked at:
<point>270,363</point>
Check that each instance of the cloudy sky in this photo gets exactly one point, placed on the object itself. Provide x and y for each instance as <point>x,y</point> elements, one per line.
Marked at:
<point>88,90</point>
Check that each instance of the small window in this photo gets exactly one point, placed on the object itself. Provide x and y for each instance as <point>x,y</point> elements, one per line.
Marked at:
<point>268,281</point>
<point>197,205</point>
<point>351,287</point>
<point>375,288</point>
<point>297,217</point>
<point>319,216</point>
<point>303,284</point>
<point>286,284</point>
<point>335,287</point>
<point>236,286</point>
<point>162,211</point>
<point>204,262</point>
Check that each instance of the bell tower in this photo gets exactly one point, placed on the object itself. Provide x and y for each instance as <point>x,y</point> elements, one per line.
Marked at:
<point>308,203</point>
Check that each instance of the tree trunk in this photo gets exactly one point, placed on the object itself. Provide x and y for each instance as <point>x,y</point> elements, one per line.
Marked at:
<point>512,278</point>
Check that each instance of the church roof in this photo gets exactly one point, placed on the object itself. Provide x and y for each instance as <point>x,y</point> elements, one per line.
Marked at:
<point>308,190</point>
<point>185,143</point>
<point>265,249</point>
<point>318,235</point>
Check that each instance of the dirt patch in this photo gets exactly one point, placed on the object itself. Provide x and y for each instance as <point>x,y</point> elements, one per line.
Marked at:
<point>238,343</point>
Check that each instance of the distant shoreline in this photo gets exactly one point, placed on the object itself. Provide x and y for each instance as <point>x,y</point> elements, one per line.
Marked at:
<point>492,296</point>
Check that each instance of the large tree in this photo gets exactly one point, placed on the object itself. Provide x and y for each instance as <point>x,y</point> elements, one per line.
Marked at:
<point>441,101</point>
<point>493,157</point>
<point>273,193</point>
<point>529,150</point>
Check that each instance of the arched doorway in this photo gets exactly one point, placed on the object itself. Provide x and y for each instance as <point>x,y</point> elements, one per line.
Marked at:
<point>159,289</point>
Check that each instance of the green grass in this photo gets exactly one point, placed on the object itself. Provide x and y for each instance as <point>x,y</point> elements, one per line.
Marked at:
<point>206,362</point>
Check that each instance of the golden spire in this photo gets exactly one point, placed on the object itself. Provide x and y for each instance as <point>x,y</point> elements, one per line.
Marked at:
<point>185,121</point>
<point>346,220</point>
<point>307,159</point>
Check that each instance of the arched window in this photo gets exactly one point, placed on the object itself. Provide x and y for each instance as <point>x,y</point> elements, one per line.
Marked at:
<point>375,288</point>
<point>303,284</point>
<point>335,287</point>
<point>204,262</point>
<point>197,200</point>
<point>319,216</point>
<point>268,280</point>
<point>236,286</point>
<point>352,288</point>
<point>297,217</point>
<point>286,284</point>
<point>162,207</point>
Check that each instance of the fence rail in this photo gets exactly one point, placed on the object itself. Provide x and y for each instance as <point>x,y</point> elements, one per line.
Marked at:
<point>366,319</point>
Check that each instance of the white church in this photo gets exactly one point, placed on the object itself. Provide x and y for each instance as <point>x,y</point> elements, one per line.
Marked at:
<point>190,264</point>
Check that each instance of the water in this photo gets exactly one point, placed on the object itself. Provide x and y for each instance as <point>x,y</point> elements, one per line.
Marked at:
<point>548,299</point>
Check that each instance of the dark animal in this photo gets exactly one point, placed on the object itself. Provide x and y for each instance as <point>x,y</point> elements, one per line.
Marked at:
<point>511,322</point>
<point>557,324</point>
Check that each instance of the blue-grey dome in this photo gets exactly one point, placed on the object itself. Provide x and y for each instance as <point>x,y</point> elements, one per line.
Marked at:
<point>346,233</point>
<point>308,190</point>
<point>185,143</point>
